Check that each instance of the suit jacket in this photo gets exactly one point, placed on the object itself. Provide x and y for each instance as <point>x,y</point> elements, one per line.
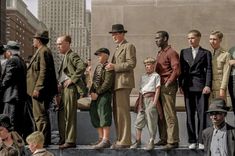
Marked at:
<point>124,59</point>
<point>207,137</point>
<point>74,67</point>
<point>221,69</point>
<point>105,84</point>
<point>14,80</point>
<point>195,73</point>
<point>41,74</point>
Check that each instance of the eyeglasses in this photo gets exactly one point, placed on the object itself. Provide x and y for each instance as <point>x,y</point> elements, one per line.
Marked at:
<point>215,113</point>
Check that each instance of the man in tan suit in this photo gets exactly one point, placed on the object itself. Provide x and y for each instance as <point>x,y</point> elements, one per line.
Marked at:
<point>123,63</point>
<point>42,83</point>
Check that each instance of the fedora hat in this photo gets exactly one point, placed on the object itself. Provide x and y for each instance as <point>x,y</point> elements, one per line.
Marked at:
<point>218,105</point>
<point>42,35</point>
<point>118,28</point>
<point>102,50</point>
<point>12,45</point>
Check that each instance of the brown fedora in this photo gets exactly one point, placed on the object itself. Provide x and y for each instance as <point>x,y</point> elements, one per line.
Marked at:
<point>118,28</point>
<point>42,35</point>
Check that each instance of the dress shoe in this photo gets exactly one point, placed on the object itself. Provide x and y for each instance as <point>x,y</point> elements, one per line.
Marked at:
<point>136,144</point>
<point>200,146</point>
<point>102,144</point>
<point>117,146</point>
<point>192,146</point>
<point>150,145</point>
<point>171,146</point>
<point>60,143</point>
<point>67,145</point>
<point>161,143</point>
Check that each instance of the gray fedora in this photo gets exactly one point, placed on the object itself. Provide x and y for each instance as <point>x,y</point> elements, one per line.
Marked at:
<point>118,28</point>
<point>218,105</point>
<point>12,45</point>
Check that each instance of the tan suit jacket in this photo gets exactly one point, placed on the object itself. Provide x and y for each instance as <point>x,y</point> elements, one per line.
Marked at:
<point>125,61</point>
<point>220,69</point>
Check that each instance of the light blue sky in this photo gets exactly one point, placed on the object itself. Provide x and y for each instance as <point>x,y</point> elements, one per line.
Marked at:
<point>32,5</point>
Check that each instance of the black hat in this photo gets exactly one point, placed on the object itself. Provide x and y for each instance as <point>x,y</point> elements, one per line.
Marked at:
<point>5,121</point>
<point>218,105</point>
<point>42,35</point>
<point>118,28</point>
<point>2,49</point>
<point>102,50</point>
<point>12,45</point>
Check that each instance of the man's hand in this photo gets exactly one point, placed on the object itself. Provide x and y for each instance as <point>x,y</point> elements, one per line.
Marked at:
<point>109,67</point>
<point>35,94</point>
<point>94,96</point>
<point>67,83</point>
<point>222,94</point>
<point>181,90</point>
<point>206,90</point>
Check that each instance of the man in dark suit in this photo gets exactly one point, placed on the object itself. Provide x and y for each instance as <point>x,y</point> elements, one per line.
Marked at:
<point>13,85</point>
<point>195,83</point>
<point>42,83</point>
<point>220,138</point>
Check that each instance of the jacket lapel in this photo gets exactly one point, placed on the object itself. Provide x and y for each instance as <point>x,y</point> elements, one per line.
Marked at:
<point>198,56</point>
<point>33,58</point>
<point>120,49</point>
<point>189,56</point>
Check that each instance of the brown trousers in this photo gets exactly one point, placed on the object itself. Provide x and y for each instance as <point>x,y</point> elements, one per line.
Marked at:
<point>121,114</point>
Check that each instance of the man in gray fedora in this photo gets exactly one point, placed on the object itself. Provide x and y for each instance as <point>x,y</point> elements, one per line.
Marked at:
<point>123,63</point>
<point>219,140</point>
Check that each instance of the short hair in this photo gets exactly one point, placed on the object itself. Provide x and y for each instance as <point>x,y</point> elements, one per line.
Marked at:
<point>150,60</point>
<point>219,34</point>
<point>9,151</point>
<point>195,32</point>
<point>36,138</point>
<point>67,38</point>
<point>164,34</point>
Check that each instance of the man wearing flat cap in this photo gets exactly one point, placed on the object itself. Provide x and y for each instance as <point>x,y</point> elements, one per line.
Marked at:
<point>123,64</point>
<point>101,95</point>
<point>219,140</point>
<point>42,83</point>
<point>13,86</point>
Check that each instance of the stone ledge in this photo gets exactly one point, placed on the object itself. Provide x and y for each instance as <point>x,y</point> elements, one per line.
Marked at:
<point>84,150</point>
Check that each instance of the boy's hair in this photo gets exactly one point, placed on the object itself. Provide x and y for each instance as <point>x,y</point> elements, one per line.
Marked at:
<point>219,34</point>
<point>195,32</point>
<point>36,138</point>
<point>150,60</point>
<point>9,151</point>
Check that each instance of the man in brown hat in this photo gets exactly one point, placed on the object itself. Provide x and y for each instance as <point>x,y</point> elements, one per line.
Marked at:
<point>220,138</point>
<point>123,64</point>
<point>42,83</point>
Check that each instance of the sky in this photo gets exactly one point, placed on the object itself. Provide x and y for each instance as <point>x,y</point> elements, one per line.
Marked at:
<point>32,5</point>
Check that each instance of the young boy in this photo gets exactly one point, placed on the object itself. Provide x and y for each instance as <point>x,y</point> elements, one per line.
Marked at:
<point>148,104</point>
<point>36,141</point>
<point>101,95</point>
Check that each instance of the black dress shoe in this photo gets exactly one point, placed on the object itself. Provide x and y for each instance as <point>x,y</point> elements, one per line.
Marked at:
<point>161,143</point>
<point>67,145</point>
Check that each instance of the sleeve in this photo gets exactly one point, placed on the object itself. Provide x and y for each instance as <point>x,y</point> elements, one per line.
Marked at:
<point>175,65</point>
<point>107,84</point>
<point>130,60</point>
<point>209,70</point>
<point>181,76</point>
<point>226,72</point>
<point>42,71</point>
<point>79,67</point>
<point>8,78</point>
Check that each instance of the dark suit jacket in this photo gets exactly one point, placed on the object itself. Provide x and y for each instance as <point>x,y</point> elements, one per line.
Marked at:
<point>41,74</point>
<point>207,137</point>
<point>14,80</point>
<point>195,73</point>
